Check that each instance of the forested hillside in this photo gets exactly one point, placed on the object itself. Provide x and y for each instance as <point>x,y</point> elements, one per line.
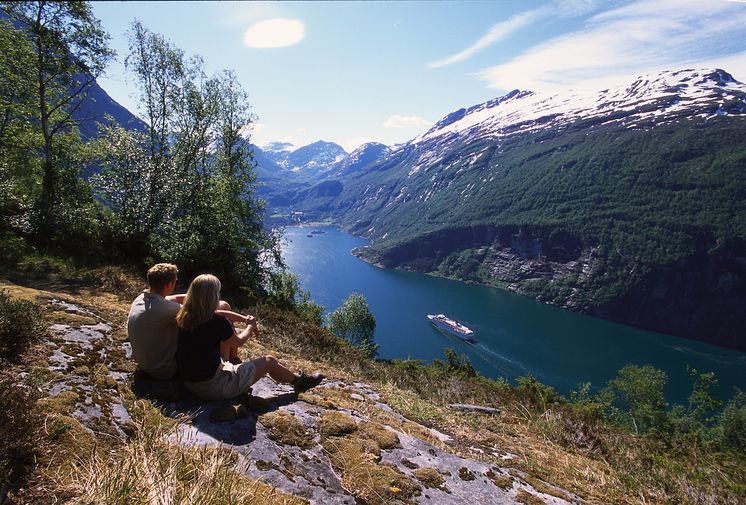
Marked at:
<point>631,209</point>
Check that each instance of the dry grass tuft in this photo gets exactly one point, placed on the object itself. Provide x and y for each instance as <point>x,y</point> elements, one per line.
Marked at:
<point>363,477</point>
<point>527,498</point>
<point>383,437</point>
<point>545,488</point>
<point>148,470</point>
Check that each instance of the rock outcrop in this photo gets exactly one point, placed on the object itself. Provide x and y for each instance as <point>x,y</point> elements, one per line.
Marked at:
<point>339,443</point>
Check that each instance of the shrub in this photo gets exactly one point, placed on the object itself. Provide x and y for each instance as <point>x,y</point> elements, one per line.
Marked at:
<point>732,428</point>
<point>18,430</point>
<point>354,321</point>
<point>639,391</point>
<point>20,326</point>
<point>535,392</point>
<point>456,365</point>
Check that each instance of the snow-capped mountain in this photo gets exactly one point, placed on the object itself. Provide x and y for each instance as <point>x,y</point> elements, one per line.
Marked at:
<point>360,159</point>
<point>649,100</point>
<point>306,162</point>
<point>627,203</point>
<point>317,157</point>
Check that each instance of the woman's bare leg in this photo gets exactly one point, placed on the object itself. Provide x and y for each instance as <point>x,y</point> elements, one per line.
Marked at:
<point>268,365</point>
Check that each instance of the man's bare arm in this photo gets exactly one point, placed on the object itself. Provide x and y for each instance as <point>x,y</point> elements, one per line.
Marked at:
<point>176,298</point>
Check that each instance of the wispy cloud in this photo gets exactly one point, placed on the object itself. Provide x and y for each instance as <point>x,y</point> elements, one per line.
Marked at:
<point>503,29</point>
<point>497,32</point>
<point>274,33</point>
<point>638,37</point>
<point>399,121</point>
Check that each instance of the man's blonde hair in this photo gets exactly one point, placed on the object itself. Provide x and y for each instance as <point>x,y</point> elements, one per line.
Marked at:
<point>161,274</point>
<point>200,303</point>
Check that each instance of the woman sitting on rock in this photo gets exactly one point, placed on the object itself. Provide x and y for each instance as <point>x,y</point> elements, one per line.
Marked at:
<point>202,336</point>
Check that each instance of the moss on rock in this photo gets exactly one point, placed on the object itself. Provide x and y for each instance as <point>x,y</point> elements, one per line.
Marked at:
<point>63,403</point>
<point>500,480</point>
<point>332,423</point>
<point>430,477</point>
<point>285,429</point>
<point>385,438</point>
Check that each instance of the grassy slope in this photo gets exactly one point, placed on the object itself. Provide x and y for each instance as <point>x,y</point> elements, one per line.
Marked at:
<point>550,439</point>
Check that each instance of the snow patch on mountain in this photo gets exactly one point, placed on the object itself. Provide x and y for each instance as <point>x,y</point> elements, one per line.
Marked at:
<point>648,98</point>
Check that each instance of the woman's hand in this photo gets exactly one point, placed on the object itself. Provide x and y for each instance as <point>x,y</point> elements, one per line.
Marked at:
<point>249,319</point>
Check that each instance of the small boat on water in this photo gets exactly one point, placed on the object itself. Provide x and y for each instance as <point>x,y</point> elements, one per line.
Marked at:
<point>452,327</point>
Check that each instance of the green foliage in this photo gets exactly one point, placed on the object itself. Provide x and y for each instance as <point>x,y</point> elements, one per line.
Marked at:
<point>354,322</point>
<point>184,190</point>
<point>284,291</point>
<point>456,365</point>
<point>731,431</point>
<point>702,405</point>
<point>20,326</point>
<point>19,169</point>
<point>535,392</point>
<point>638,390</point>
<point>68,50</point>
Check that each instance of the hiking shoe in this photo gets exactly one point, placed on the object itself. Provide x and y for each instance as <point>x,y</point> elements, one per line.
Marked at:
<point>305,382</point>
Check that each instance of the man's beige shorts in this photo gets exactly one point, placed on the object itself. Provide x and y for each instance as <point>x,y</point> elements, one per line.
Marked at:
<point>228,382</point>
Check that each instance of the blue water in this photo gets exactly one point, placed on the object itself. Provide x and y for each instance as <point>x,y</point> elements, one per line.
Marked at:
<point>516,335</point>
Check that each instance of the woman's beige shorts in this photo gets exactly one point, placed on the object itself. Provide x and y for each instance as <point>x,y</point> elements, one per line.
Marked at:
<point>228,382</point>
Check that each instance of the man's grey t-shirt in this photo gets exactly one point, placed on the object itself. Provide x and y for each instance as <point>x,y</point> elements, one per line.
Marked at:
<point>152,330</point>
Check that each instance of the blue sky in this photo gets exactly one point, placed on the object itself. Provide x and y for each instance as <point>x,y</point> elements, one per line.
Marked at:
<point>354,72</point>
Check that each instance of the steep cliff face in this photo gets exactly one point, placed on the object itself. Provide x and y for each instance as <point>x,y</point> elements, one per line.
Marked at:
<point>702,296</point>
<point>699,296</point>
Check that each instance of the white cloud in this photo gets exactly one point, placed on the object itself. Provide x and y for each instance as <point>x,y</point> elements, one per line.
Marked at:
<point>497,32</point>
<point>503,29</point>
<point>274,33</point>
<point>639,37</point>
<point>398,121</point>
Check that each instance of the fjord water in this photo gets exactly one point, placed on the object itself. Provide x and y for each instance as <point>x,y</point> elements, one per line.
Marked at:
<point>516,335</point>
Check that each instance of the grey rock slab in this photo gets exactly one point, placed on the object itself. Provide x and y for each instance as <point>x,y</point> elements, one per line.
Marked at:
<point>71,307</point>
<point>81,336</point>
<point>465,479</point>
<point>306,473</point>
<point>465,407</point>
<point>120,413</point>
<point>59,360</point>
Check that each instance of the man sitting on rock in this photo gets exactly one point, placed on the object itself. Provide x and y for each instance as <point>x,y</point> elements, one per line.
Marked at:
<point>151,325</point>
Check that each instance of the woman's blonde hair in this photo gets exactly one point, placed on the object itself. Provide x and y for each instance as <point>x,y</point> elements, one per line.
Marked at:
<point>200,303</point>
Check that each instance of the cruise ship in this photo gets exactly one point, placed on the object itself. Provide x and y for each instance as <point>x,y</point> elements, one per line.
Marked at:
<point>452,327</point>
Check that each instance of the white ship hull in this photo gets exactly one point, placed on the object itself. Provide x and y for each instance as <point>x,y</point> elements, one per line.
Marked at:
<point>452,327</point>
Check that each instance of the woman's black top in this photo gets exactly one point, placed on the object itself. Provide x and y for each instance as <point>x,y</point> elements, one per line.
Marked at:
<point>198,351</point>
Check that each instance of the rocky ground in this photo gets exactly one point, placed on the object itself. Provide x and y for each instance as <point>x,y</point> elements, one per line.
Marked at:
<point>339,443</point>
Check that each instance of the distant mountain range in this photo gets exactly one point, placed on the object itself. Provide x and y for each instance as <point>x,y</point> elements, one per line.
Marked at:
<point>289,175</point>
<point>628,203</point>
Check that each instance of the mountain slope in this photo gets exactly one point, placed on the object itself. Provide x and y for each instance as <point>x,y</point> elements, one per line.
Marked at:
<point>627,204</point>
